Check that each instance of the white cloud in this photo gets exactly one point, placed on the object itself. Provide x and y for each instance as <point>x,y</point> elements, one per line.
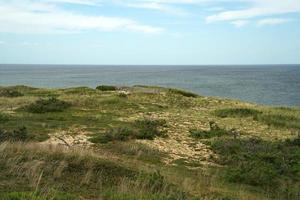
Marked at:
<point>272,21</point>
<point>34,17</point>
<point>258,9</point>
<point>79,2</point>
<point>239,23</point>
<point>156,6</point>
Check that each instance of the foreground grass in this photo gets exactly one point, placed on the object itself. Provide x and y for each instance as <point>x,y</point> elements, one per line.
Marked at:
<point>146,143</point>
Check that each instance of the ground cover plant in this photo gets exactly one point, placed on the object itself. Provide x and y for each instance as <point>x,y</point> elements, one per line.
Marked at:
<point>183,93</point>
<point>51,104</point>
<point>215,131</point>
<point>281,119</point>
<point>262,163</point>
<point>106,88</point>
<point>153,143</point>
<point>7,92</point>
<point>140,129</point>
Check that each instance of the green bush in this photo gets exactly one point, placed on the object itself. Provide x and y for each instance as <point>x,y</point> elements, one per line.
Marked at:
<point>106,88</point>
<point>36,196</point>
<point>114,134</point>
<point>4,92</point>
<point>183,93</point>
<point>3,117</point>
<point>201,134</point>
<point>279,120</point>
<point>237,112</point>
<point>215,131</point>
<point>51,104</point>
<point>149,129</point>
<point>259,163</point>
<point>20,134</point>
<point>146,129</point>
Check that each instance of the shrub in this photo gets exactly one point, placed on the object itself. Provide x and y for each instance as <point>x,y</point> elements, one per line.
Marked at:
<point>183,93</point>
<point>119,134</point>
<point>149,129</point>
<point>257,162</point>
<point>141,129</point>
<point>20,134</point>
<point>47,105</point>
<point>215,131</point>
<point>279,120</point>
<point>237,112</point>
<point>4,92</point>
<point>3,117</point>
<point>201,134</point>
<point>106,88</point>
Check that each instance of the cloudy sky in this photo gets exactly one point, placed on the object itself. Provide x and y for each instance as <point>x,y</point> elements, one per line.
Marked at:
<point>150,31</point>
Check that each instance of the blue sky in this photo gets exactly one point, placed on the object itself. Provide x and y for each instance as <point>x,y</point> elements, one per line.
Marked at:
<point>150,31</point>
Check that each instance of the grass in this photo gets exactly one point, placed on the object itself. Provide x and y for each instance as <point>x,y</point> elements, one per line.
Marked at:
<point>7,92</point>
<point>106,88</point>
<point>134,142</point>
<point>19,134</point>
<point>274,118</point>
<point>37,196</point>
<point>202,134</point>
<point>135,150</point>
<point>70,172</point>
<point>145,129</point>
<point>47,105</point>
<point>273,166</point>
<point>3,118</point>
<point>237,112</point>
<point>183,93</point>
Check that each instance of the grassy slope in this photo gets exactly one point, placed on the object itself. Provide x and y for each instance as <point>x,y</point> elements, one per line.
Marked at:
<point>188,167</point>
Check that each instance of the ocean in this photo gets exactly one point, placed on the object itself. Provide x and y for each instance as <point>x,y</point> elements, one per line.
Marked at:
<point>277,85</point>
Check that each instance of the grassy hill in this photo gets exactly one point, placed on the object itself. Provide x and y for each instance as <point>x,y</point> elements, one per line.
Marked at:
<point>144,142</point>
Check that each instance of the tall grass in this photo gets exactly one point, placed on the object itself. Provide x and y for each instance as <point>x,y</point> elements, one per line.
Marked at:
<point>76,172</point>
<point>277,117</point>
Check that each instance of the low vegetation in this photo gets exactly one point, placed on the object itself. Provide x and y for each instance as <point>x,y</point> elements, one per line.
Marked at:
<point>276,119</point>
<point>70,174</point>
<point>106,88</point>
<point>183,93</point>
<point>237,112</point>
<point>215,131</point>
<point>273,166</point>
<point>3,117</point>
<point>141,129</point>
<point>19,134</point>
<point>7,92</point>
<point>51,104</point>
<point>144,143</point>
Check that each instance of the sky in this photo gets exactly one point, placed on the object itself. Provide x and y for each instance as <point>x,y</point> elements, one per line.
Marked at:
<point>150,32</point>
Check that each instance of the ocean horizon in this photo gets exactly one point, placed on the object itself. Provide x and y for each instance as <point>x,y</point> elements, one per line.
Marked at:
<point>277,85</point>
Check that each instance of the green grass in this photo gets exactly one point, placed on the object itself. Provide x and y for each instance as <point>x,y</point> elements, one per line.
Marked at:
<point>47,105</point>
<point>37,196</point>
<point>7,92</point>
<point>106,88</point>
<point>183,93</point>
<point>135,142</point>
<point>281,119</point>
<point>3,117</point>
<point>19,134</point>
<point>237,112</point>
<point>202,134</point>
<point>71,174</point>
<point>145,129</point>
<point>215,131</point>
<point>273,166</point>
